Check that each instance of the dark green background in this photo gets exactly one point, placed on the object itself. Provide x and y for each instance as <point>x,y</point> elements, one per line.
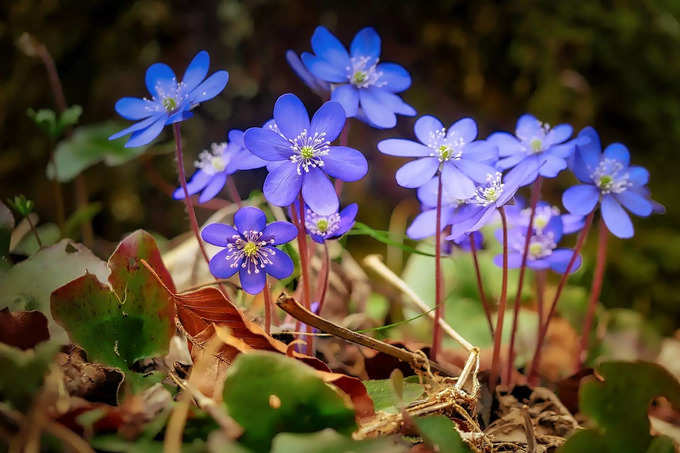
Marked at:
<point>614,65</point>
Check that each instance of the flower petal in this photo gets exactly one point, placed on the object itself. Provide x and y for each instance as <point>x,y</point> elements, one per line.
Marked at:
<point>248,219</point>
<point>426,127</point>
<point>457,183</point>
<point>221,267</point>
<point>481,151</point>
<point>588,148</point>
<point>550,165</point>
<point>514,260</point>
<point>366,43</point>
<point>328,47</point>
<point>403,148</point>
<point>319,193</point>
<point>424,225</point>
<point>344,163</point>
<point>266,144</point>
<point>618,152</point>
<point>245,160</point>
<point>465,129</point>
<point>507,144</point>
<point>314,83</point>
<point>427,193</point>
<point>580,199</point>
<point>635,203</point>
<point>559,261</point>
<point>476,171</point>
<point>281,265</point>
<point>557,134</point>
<point>219,234</point>
<point>137,126</point>
<point>145,136</point>
<point>348,96</point>
<point>290,115</point>
<point>197,70</point>
<point>281,232</point>
<point>252,282</point>
<point>282,184</point>
<point>135,108</point>
<point>527,126</point>
<point>211,87</point>
<point>347,216</point>
<point>323,69</point>
<point>638,176</point>
<point>616,218</point>
<point>159,78</point>
<point>212,189</point>
<point>509,162</point>
<point>329,119</point>
<point>378,113</point>
<point>395,77</point>
<point>198,181</point>
<point>416,173</point>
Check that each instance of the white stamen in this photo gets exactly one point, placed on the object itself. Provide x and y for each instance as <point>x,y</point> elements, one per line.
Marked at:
<point>215,160</point>
<point>361,75</point>
<point>250,251</point>
<point>322,225</point>
<point>309,150</point>
<point>445,148</point>
<point>488,194</point>
<point>609,176</point>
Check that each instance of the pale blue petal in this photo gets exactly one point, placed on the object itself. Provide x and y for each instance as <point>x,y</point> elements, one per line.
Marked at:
<point>557,134</point>
<point>160,76</point>
<point>476,171</point>
<point>145,136</point>
<point>290,115</point>
<point>197,70</point>
<point>281,265</point>
<point>379,114</point>
<point>221,267</point>
<point>212,189</point>
<point>456,182</point>
<point>635,203</point>
<point>329,120</point>
<point>252,282</point>
<point>403,148</point>
<point>616,218</point>
<point>344,163</point>
<point>211,87</point>
<point>267,144</point>
<point>328,47</point>
<point>507,144</point>
<point>219,234</point>
<point>618,152</point>
<point>249,218</point>
<point>323,69</point>
<point>418,172</point>
<point>348,96</point>
<point>282,184</point>
<point>465,129</point>
<point>396,78</point>
<point>426,127</point>
<point>319,193</point>
<point>135,108</point>
<point>366,43</point>
<point>281,232</point>
<point>581,199</point>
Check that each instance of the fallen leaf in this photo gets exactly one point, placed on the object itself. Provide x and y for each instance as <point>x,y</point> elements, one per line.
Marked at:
<point>23,329</point>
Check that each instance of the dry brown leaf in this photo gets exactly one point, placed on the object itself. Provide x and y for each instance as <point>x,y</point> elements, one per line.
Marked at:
<point>23,329</point>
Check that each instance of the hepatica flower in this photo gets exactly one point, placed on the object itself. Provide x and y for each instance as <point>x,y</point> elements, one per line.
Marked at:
<point>424,224</point>
<point>250,248</point>
<point>534,144</point>
<point>300,155</point>
<point>358,80</point>
<point>518,215</point>
<point>323,227</point>
<point>214,166</point>
<point>608,178</point>
<point>320,87</point>
<point>462,160</point>
<point>171,101</point>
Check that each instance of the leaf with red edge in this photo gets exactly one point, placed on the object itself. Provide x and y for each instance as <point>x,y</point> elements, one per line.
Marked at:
<point>23,329</point>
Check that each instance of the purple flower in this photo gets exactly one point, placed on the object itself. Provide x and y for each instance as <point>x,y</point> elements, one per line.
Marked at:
<point>424,224</point>
<point>171,101</point>
<point>534,144</point>
<point>543,252</point>
<point>518,216</point>
<point>607,178</point>
<point>461,160</point>
<point>463,242</point>
<point>301,157</point>
<point>250,248</point>
<point>216,165</point>
<point>320,87</point>
<point>365,87</point>
<point>323,227</point>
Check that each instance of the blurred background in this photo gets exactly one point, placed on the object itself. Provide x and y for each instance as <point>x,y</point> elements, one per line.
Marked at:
<point>614,65</point>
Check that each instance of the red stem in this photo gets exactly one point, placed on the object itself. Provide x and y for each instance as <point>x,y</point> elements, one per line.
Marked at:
<point>480,285</point>
<point>267,307</point>
<point>540,292</point>
<point>535,191</point>
<point>533,371</point>
<point>233,192</point>
<point>34,231</point>
<point>495,362</point>
<point>438,283</point>
<point>187,199</point>
<point>304,265</point>
<point>323,281</point>
<point>595,291</point>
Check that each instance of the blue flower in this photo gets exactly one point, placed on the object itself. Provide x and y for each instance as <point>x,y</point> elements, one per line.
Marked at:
<point>323,227</point>
<point>518,215</point>
<point>365,87</point>
<point>301,157</point>
<point>424,224</point>
<point>607,178</point>
<point>216,165</point>
<point>250,248</point>
<point>320,87</point>
<point>534,144</point>
<point>170,101</point>
<point>462,160</point>
<point>543,251</point>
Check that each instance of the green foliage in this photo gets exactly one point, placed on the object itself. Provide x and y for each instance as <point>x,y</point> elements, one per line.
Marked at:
<point>618,408</point>
<point>384,397</point>
<point>441,434</point>
<point>119,325</point>
<point>21,205</point>
<point>328,441</point>
<point>269,393</point>
<point>28,285</point>
<point>52,124</point>
<point>23,372</point>
<point>88,146</point>
<point>360,229</point>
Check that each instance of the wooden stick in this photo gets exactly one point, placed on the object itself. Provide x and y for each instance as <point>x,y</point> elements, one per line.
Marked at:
<point>297,311</point>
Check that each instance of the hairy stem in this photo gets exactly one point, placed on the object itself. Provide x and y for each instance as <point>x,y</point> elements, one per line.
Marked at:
<point>535,192</point>
<point>540,293</point>
<point>536,361</point>
<point>322,287</point>
<point>595,291</point>
<point>480,284</point>
<point>495,361</point>
<point>267,306</point>
<point>438,283</point>
<point>304,266</point>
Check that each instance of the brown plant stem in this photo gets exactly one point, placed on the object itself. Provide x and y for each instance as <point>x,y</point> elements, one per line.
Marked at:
<point>495,362</point>
<point>540,295</point>
<point>480,284</point>
<point>34,230</point>
<point>267,306</point>
<point>438,283</point>
<point>322,287</point>
<point>535,192</point>
<point>595,291</point>
<point>535,362</point>
<point>299,219</point>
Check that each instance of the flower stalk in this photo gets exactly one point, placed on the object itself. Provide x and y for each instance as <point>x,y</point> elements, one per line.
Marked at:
<point>299,221</point>
<point>438,281</point>
<point>495,361</point>
<point>267,307</point>
<point>480,284</point>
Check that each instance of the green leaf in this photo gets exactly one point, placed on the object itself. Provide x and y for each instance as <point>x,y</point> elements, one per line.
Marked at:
<point>69,117</point>
<point>89,145</point>
<point>329,441</point>
<point>23,372</point>
<point>45,119</point>
<point>441,434</point>
<point>361,229</point>
<point>133,319</point>
<point>28,245</point>
<point>384,399</point>
<point>28,285</point>
<point>618,407</point>
<point>268,393</point>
